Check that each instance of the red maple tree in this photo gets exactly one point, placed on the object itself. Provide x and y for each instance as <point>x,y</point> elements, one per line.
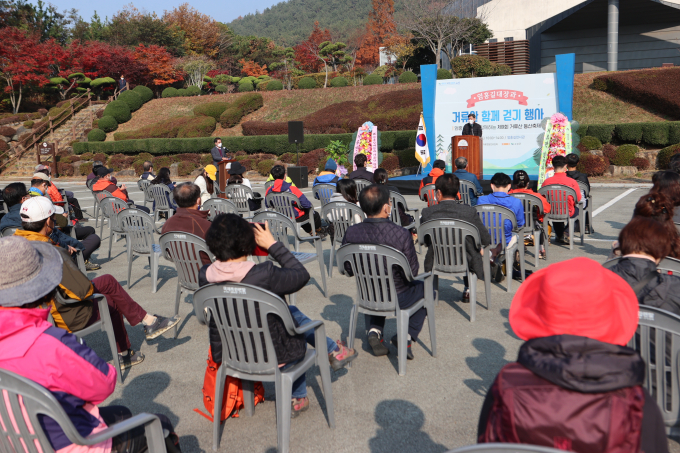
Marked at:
<point>106,60</point>
<point>306,51</point>
<point>250,68</point>
<point>159,65</point>
<point>380,25</point>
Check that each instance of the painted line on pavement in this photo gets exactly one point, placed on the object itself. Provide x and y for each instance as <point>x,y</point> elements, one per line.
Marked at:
<point>613,201</point>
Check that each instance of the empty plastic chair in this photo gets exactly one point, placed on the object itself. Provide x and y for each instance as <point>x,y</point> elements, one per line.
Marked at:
<point>161,195</point>
<point>342,215</point>
<point>139,228</point>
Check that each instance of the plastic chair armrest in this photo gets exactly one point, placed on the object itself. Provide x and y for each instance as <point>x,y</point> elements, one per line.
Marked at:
<point>310,325</point>
<point>423,276</point>
<point>150,422</point>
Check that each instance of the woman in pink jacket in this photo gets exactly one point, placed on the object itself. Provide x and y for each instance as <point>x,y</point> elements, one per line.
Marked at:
<point>32,347</point>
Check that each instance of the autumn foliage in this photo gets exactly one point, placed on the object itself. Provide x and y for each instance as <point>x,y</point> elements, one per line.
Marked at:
<point>250,68</point>
<point>305,52</point>
<point>380,25</point>
<point>160,69</point>
<point>202,33</point>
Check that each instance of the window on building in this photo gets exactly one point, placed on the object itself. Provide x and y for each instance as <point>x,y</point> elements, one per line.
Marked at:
<point>493,40</point>
<point>509,39</point>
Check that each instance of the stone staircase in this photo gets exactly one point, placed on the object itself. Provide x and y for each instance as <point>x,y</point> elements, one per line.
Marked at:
<point>72,130</point>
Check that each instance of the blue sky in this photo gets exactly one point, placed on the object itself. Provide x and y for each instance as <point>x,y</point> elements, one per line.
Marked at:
<point>221,11</point>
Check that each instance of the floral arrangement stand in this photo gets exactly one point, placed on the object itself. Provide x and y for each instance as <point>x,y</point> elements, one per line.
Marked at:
<point>367,142</point>
<point>557,141</point>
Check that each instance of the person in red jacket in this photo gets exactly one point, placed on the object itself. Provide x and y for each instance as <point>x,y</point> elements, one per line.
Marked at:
<point>575,385</point>
<point>105,183</point>
<point>560,177</point>
<point>438,168</point>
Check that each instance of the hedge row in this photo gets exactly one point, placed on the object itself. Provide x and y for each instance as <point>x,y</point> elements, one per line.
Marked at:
<point>273,144</point>
<point>661,133</point>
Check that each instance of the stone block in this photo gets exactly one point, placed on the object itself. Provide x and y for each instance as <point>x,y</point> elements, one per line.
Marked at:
<point>616,170</point>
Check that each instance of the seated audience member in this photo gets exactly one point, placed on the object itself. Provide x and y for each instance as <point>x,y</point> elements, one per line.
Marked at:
<point>189,218</point>
<point>438,168</point>
<point>206,182</point>
<point>668,183</point>
<point>377,228</point>
<point>148,171</point>
<point>346,190</point>
<point>32,347</point>
<point>520,180</point>
<point>86,240</point>
<point>55,195</point>
<point>361,172</point>
<point>231,239</point>
<point>448,207</point>
<point>575,385</point>
<point>327,176</point>
<point>93,174</point>
<point>304,209</point>
<point>163,178</point>
<point>560,177</point>
<point>236,177</point>
<point>573,173</point>
<point>464,175</point>
<point>37,223</point>
<point>380,177</point>
<point>105,182</point>
<point>40,184</point>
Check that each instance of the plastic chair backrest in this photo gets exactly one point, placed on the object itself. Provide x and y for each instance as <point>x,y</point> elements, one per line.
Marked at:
<point>464,190</point>
<point>139,228</point>
<point>342,215</point>
<point>219,206</point>
<point>143,185</point>
<point>584,187</point>
<point>505,448</point>
<point>111,206</point>
<point>669,265</point>
<point>429,193</point>
<point>9,231</point>
<point>447,239</point>
<point>90,182</point>
<point>323,192</point>
<point>397,199</point>
<point>282,202</point>
<point>101,195</point>
<point>279,225</point>
<point>268,184</point>
<point>657,339</point>
<point>529,202</point>
<point>184,249</point>
<point>361,184</point>
<point>373,269</point>
<point>558,197</point>
<point>493,217</point>
<point>161,195</point>
<point>247,345</point>
<point>238,194</point>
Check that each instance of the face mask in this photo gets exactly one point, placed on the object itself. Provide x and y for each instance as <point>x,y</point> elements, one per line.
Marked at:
<point>471,122</point>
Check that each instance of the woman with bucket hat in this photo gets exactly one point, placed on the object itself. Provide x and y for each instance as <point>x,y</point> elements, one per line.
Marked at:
<point>575,385</point>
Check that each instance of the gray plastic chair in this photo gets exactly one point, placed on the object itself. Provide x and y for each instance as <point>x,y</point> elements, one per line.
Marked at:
<point>493,217</point>
<point>505,448</point>
<point>80,259</point>
<point>184,250</point>
<point>27,430</point>
<point>587,212</point>
<point>139,228</point>
<point>670,266</point>
<point>110,207</point>
<point>8,231</point>
<point>98,197</point>
<point>280,225</point>
<point>362,184</point>
<point>657,339</point>
<point>255,360</point>
<point>429,194</point>
<point>531,202</point>
<point>284,202</point>
<point>143,185</point>
<point>90,182</point>
<point>239,194</point>
<point>267,185</point>
<point>377,296</point>
<point>323,192</point>
<point>464,191</point>
<point>397,199</point>
<point>342,215</point>
<point>161,195</point>
<point>219,206</point>
<point>558,197</point>
<point>447,240</point>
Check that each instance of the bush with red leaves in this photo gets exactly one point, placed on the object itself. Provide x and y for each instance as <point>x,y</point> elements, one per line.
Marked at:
<point>312,159</point>
<point>65,169</point>
<point>593,165</point>
<point>8,131</point>
<point>609,151</point>
<point>390,162</point>
<point>641,163</point>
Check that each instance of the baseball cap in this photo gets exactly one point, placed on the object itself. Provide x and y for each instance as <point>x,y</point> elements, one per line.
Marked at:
<point>42,176</point>
<point>38,208</point>
<point>103,171</point>
<point>40,167</point>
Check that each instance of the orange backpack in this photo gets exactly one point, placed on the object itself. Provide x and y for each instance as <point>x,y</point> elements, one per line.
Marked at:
<point>232,400</point>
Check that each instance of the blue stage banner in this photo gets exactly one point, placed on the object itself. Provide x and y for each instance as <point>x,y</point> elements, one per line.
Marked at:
<point>428,79</point>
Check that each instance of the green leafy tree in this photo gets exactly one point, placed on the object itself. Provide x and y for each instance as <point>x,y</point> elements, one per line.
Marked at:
<point>196,68</point>
<point>332,54</point>
<point>473,31</point>
<point>285,66</point>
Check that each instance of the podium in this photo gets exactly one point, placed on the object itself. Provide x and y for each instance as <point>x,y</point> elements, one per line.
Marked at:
<point>223,176</point>
<point>472,148</point>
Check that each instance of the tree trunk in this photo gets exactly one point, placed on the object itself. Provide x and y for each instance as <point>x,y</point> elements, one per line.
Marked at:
<point>325,83</point>
<point>438,53</point>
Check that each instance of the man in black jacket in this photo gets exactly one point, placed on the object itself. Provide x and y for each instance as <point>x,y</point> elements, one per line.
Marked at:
<point>573,173</point>
<point>472,127</point>
<point>448,207</point>
<point>379,229</point>
<point>361,172</point>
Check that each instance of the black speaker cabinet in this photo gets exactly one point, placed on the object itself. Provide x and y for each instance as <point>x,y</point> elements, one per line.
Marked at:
<point>296,132</point>
<point>298,175</point>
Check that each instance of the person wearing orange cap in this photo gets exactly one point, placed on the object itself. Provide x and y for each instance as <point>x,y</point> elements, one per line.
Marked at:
<point>575,385</point>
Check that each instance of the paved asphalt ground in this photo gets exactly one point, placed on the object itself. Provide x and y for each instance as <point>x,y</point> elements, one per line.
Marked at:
<point>433,408</point>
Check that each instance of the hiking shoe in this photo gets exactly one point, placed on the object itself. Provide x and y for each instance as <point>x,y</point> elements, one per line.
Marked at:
<point>160,326</point>
<point>376,342</point>
<point>409,353</point>
<point>343,357</point>
<point>91,266</point>
<point>465,298</point>
<point>302,405</point>
<point>497,273</point>
<point>131,359</point>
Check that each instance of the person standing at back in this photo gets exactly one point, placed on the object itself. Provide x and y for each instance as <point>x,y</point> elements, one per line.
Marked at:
<point>123,84</point>
<point>560,177</point>
<point>219,154</point>
<point>464,175</point>
<point>361,172</point>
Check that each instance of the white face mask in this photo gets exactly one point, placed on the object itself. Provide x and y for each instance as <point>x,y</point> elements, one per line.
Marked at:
<point>471,122</point>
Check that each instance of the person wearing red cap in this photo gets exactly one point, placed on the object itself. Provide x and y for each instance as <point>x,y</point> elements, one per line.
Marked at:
<point>575,385</point>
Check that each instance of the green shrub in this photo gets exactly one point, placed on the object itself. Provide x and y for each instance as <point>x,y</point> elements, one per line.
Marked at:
<point>132,99</point>
<point>169,92</point>
<point>185,168</point>
<point>145,93</point>
<point>624,155</point>
<point>222,89</point>
<point>193,91</point>
<point>407,157</point>
<point>240,108</point>
<point>182,92</point>
<point>664,156</point>
<point>85,156</point>
<point>96,135</point>
<point>674,132</point>
<point>231,117</point>
<point>265,166</point>
<point>655,133</point>
<point>200,126</point>
<point>213,109</point>
<point>107,124</point>
<point>250,102</point>
<point>274,85</point>
<point>603,132</point>
<point>373,79</point>
<point>206,159</point>
<point>245,86</point>
<point>307,83</point>
<point>28,124</point>
<point>221,79</point>
<point>85,168</point>
<point>591,142</point>
<point>628,132</point>
<point>408,77</point>
<point>443,74</point>
<point>119,110</point>
<point>339,82</point>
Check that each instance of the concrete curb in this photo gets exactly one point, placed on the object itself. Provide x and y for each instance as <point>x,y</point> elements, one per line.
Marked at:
<point>621,185</point>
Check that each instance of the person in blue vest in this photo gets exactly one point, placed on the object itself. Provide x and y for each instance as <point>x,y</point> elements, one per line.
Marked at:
<point>327,176</point>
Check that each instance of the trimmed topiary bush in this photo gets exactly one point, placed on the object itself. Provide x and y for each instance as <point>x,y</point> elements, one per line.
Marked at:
<point>407,157</point>
<point>96,135</point>
<point>222,89</point>
<point>170,92</point>
<point>265,166</point>
<point>200,126</point>
<point>664,156</point>
<point>243,106</point>
<point>7,131</point>
<point>624,155</point>
<point>65,169</point>
<point>408,77</point>
<point>591,142</point>
<point>145,93</point>
<point>132,99</point>
<point>373,79</point>
<point>655,133</point>
<point>641,163</point>
<point>119,110</point>
<point>246,86</point>
<point>185,168</point>
<point>443,74</point>
<point>193,91</point>
<point>593,165</point>
<point>306,83</point>
<point>274,85</point>
<point>674,132</point>
<point>631,132</point>
<point>28,124</point>
<point>213,109</point>
<point>603,132</point>
<point>339,82</point>
<point>182,92</point>
<point>107,124</point>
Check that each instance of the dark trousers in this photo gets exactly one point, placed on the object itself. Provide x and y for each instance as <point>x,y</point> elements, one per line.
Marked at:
<point>304,217</point>
<point>560,227</point>
<point>86,235</point>
<point>134,441</point>
<point>413,294</point>
<point>75,204</point>
<point>121,305</point>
